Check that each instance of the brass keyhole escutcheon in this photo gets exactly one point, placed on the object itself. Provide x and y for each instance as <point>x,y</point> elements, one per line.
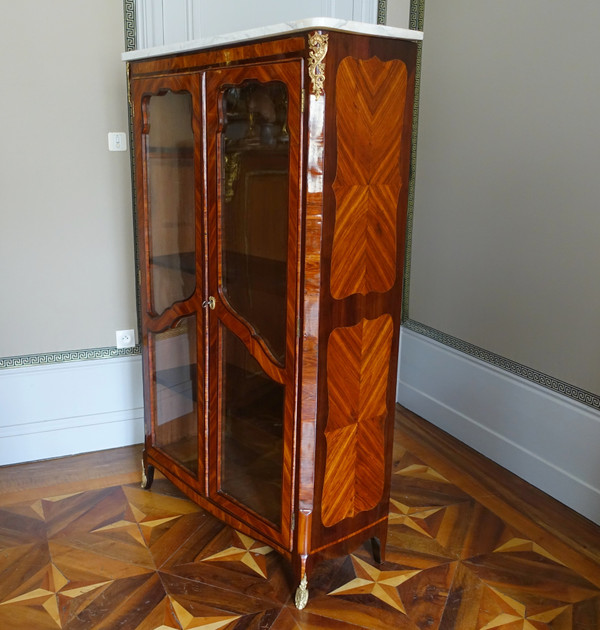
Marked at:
<point>210,303</point>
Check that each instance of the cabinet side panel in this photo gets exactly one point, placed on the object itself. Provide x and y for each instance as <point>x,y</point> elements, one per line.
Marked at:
<point>369,120</point>
<point>368,90</point>
<point>357,377</point>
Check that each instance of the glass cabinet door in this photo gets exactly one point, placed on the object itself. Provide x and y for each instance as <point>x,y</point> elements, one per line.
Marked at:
<point>169,153</point>
<point>254,149</point>
<point>175,392</point>
<point>254,121</point>
<point>170,129</point>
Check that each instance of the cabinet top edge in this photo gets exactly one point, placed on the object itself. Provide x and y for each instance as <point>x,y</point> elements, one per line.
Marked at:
<point>284,28</point>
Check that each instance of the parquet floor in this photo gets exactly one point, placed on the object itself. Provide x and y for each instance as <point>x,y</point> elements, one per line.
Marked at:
<point>108,556</point>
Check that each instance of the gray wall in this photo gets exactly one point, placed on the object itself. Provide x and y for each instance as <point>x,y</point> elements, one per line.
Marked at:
<point>506,229</point>
<point>501,346</point>
<point>397,13</point>
<point>66,253</point>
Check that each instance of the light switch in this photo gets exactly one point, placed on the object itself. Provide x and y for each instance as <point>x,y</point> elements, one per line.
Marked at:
<point>117,141</point>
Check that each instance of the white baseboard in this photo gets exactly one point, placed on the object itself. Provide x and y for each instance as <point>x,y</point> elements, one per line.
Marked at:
<point>545,438</point>
<point>68,408</point>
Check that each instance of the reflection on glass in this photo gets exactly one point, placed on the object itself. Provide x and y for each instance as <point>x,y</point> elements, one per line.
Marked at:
<point>176,392</point>
<point>252,431</point>
<point>170,164</point>
<point>254,209</point>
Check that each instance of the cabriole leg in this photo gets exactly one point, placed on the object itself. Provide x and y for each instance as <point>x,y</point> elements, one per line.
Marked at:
<point>376,549</point>
<point>378,542</point>
<point>147,475</point>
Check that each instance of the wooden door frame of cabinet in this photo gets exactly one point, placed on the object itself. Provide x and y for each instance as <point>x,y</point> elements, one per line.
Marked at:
<point>289,72</point>
<point>141,90</point>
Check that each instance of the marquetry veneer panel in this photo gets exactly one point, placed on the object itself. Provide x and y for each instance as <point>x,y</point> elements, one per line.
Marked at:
<point>357,375</point>
<point>369,121</point>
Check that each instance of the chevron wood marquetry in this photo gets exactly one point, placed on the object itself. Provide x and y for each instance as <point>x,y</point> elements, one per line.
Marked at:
<point>369,122</point>
<point>122,557</point>
<point>357,370</point>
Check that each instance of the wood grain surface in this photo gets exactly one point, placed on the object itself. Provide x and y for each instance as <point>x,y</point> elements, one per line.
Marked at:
<point>357,379</point>
<point>369,119</point>
<point>468,549</point>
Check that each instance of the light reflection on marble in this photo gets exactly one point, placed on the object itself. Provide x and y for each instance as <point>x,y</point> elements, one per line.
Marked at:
<point>331,24</point>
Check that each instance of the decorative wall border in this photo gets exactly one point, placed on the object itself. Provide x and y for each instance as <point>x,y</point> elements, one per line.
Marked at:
<point>130,17</point>
<point>130,23</point>
<point>539,378</point>
<point>381,11</point>
<point>416,22</point>
<point>417,12</point>
<point>67,356</point>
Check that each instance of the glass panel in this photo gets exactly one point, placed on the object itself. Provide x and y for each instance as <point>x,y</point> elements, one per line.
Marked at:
<point>251,431</point>
<point>176,392</point>
<point>254,215</point>
<point>170,163</point>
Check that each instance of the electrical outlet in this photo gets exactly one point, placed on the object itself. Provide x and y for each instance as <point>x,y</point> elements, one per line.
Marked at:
<point>125,338</point>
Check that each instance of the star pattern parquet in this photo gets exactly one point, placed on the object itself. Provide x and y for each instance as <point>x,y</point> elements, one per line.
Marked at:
<point>125,558</point>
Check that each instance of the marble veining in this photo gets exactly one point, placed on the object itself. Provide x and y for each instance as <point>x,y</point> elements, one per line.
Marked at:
<point>331,24</point>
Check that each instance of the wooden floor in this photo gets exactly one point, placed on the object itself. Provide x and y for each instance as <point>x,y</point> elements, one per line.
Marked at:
<point>470,547</point>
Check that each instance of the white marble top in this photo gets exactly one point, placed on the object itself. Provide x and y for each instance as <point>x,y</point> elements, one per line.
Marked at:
<point>330,24</point>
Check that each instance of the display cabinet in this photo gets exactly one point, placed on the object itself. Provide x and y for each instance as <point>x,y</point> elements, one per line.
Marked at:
<point>272,176</point>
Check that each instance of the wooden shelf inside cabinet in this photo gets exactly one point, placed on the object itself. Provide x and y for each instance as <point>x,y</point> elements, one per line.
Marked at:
<point>272,211</point>
<point>182,154</point>
<point>185,261</point>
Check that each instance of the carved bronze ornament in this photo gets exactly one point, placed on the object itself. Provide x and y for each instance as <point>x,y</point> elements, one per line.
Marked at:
<point>317,43</point>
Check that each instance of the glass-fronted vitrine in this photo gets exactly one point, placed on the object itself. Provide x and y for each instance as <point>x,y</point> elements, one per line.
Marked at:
<point>271,183</point>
